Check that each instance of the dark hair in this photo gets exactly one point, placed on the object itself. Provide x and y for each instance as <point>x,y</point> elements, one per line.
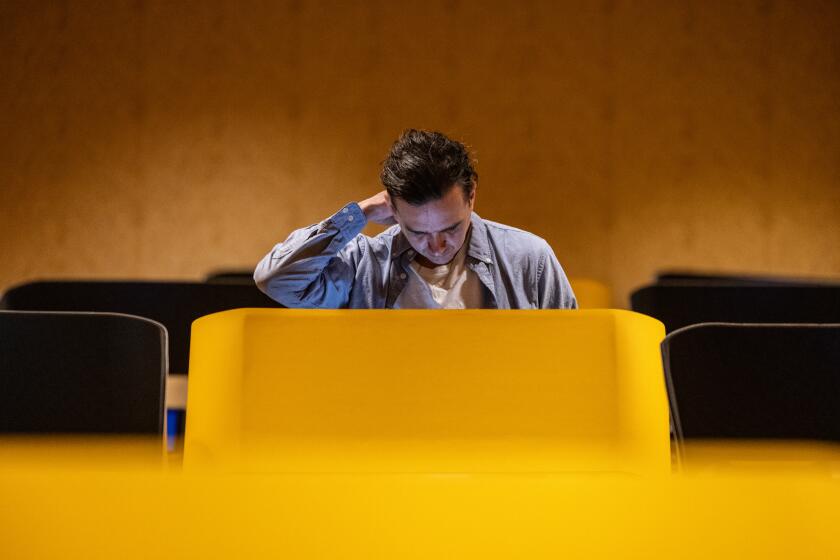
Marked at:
<point>424,165</point>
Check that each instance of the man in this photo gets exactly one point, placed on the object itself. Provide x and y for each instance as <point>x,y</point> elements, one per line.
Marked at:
<point>440,254</point>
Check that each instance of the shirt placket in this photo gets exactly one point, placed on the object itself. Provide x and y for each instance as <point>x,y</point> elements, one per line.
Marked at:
<point>398,277</point>
<point>483,272</point>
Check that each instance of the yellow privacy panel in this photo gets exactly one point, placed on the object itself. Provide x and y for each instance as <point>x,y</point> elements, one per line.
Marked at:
<point>428,374</point>
<point>428,390</point>
<point>364,516</point>
<point>591,294</point>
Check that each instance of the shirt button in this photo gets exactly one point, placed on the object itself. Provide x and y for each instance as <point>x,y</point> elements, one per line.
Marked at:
<point>411,253</point>
<point>349,218</point>
<point>344,210</point>
<point>402,275</point>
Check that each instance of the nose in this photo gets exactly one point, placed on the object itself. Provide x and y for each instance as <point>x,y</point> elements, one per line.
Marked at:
<point>437,243</point>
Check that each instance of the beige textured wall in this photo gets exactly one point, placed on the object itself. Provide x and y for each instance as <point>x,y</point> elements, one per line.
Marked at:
<point>164,139</point>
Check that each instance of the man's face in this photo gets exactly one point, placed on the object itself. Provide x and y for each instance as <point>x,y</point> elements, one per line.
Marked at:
<point>436,229</point>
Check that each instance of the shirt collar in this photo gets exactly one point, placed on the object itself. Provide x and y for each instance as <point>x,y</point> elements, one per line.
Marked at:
<point>478,248</point>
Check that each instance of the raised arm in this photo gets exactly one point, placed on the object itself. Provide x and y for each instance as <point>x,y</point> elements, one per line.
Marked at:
<point>316,265</point>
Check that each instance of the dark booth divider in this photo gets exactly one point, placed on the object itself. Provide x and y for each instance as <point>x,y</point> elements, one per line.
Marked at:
<point>682,305</point>
<point>754,381</point>
<point>231,277</point>
<point>86,373</point>
<point>174,304</point>
<point>689,277</point>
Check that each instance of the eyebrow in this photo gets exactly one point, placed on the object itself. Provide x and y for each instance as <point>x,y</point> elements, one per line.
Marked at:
<point>453,226</point>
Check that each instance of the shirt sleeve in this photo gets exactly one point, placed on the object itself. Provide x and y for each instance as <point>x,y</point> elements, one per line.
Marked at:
<point>554,290</point>
<point>316,265</point>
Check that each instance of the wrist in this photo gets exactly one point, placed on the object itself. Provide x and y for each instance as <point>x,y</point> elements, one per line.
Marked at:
<point>369,208</point>
<point>365,206</point>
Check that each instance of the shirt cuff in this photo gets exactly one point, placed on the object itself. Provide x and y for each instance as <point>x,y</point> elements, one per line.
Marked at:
<point>350,220</point>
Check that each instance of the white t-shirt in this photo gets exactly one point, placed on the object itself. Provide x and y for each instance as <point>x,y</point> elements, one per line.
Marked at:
<point>449,286</point>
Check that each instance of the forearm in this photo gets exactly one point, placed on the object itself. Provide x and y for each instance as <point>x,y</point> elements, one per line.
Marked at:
<point>310,268</point>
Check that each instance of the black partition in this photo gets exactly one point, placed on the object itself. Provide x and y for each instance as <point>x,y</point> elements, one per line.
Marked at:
<point>754,381</point>
<point>691,277</point>
<point>174,304</point>
<point>86,373</point>
<point>230,277</point>
<point>681,305</point>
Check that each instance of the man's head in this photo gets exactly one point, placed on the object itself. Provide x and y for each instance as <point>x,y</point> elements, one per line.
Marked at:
<point>431,182</point>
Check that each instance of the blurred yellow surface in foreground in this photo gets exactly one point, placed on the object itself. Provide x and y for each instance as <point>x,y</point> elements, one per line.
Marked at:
<point>73,511</point>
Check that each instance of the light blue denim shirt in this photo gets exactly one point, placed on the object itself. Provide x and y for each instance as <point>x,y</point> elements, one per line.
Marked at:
<point>332,265</point>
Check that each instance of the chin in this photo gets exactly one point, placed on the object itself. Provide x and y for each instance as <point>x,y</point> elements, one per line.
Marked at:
<point>445,259</point>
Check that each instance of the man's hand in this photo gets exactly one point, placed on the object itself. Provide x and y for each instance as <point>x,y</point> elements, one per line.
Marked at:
<point>377,209</point>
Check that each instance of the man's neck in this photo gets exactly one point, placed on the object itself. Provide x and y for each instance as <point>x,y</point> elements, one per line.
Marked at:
<point>426,263</point>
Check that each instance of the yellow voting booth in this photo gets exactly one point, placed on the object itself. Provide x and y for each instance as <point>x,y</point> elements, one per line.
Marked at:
<point>427,391</point>
<point>325,435</point>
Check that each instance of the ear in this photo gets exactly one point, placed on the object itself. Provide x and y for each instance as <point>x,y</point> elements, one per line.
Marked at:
<point>390,202</point>
<point>472,195</point>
